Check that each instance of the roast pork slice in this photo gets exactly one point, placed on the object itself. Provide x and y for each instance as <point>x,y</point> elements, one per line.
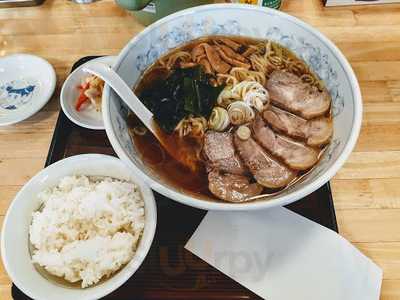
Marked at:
<point>289,92</point>
<point>294,154</point>
<point>232,188</point>
<point>219,152</point>
<point>266,170</point>
<point>314,132</point>
<point>318,131</point>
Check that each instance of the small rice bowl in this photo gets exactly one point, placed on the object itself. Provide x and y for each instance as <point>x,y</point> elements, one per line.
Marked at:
<point>87,228</point>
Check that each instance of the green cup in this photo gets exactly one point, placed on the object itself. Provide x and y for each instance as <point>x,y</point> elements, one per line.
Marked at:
<point>147,11</point>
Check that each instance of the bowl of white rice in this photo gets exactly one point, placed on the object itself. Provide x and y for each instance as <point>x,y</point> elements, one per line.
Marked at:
<point>79,229</point>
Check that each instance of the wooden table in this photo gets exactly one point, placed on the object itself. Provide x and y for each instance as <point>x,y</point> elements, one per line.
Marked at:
<point>366,190</point>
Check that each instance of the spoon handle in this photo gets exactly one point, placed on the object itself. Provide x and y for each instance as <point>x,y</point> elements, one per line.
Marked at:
<point>106,73</point>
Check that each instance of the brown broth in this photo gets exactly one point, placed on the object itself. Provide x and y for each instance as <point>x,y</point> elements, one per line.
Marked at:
<point>159,160</point>
<point>172,171</point>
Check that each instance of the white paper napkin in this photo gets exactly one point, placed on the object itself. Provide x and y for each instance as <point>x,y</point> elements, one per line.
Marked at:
<point>280,255</point>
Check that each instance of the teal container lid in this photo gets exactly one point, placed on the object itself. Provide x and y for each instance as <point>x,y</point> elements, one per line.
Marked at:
<point>272,3</point>
<point>147,12</point>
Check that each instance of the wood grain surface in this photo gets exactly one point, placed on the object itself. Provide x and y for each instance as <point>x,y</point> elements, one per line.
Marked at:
<point>366,190</point>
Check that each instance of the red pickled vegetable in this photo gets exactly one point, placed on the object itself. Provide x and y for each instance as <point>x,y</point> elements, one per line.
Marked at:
<point>82,97</point>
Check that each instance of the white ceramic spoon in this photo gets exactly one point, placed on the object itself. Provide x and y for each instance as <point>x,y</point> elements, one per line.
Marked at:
<point>106,73</point>
<point>186,154</point>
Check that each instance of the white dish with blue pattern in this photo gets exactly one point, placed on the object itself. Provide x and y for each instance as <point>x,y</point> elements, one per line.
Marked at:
<point>315,49</point>
<point>27,82</point>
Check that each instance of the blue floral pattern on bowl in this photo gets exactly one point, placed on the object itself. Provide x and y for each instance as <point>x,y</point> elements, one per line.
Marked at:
<point>17,93</point>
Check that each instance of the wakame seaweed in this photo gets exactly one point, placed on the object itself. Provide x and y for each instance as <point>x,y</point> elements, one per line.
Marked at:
<point>185,92</point>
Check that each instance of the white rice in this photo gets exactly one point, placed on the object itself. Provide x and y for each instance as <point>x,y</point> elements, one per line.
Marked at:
<point>88,227</point>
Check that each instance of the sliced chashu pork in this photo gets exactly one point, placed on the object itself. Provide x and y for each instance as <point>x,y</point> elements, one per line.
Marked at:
<point>219,152</point>
<point>232,188</point>
<point>266,170</point>
<point>314,132</point>
<point>294,154</point>
<point>291,93</point>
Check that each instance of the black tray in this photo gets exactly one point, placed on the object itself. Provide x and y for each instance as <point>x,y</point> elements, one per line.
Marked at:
<point>169,271</point>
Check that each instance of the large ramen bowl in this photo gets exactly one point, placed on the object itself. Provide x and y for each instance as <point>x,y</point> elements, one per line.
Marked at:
<point>229,19</point>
